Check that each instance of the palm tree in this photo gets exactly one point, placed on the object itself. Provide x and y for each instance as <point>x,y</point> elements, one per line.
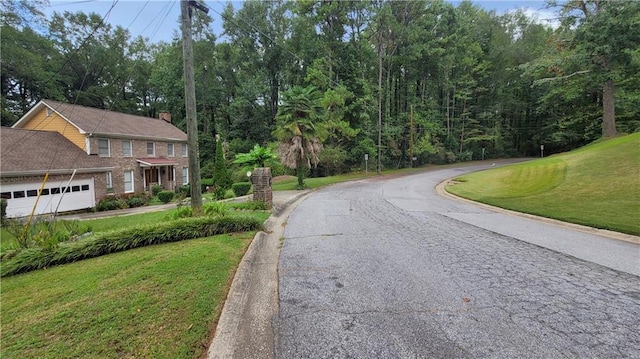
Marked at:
<point>258,157</point>
<point>300,129</point>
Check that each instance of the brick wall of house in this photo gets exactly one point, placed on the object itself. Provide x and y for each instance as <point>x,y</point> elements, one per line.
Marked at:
<point>139,150</point>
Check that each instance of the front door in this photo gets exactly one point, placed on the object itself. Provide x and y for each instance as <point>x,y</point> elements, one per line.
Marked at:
<point>151,176</point>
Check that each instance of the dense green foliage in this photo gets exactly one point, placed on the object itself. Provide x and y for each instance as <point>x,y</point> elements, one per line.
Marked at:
<point>241,188</point>
<point>165,196</point>
<point>221,178</point>
<point>596,185</point>
<point>394,80</point>
<point>127,238</point>
<point>258,157</point>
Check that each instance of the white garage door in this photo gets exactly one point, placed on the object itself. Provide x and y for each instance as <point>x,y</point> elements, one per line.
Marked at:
<point>21,197</point>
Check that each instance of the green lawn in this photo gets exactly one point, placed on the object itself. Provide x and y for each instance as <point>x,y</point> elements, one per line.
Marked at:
<point>597,185</point>
<point>160,301</point>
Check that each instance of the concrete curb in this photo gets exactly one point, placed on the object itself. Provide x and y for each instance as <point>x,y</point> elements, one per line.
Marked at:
<point>245,327</point>
<point>440,189</point>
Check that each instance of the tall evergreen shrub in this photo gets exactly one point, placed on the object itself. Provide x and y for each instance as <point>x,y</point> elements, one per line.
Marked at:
<point>221,177</point>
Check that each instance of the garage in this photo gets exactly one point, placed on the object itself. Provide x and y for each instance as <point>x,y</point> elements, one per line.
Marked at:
<point>65,196</point>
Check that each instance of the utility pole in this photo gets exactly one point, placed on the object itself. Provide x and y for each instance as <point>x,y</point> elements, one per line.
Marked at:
<point>379,169</point>
<point>190,104</point>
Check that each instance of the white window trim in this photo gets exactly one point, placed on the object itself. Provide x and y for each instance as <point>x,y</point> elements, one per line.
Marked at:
<point>154,149</point>
<point>109,181</point>
<point>173,150</point>
<point>185,182</point>
<point>185,150</point>
<point>130,148</point>
<point>133,187</point>
<point>108,147</point>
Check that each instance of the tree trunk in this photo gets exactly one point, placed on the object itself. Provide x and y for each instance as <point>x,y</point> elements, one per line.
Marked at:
<point>300,173</point>
<point>608,110</point>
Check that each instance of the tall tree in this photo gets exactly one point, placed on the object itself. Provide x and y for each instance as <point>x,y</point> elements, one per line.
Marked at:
<point>300,130</point>
<point>605,32</point>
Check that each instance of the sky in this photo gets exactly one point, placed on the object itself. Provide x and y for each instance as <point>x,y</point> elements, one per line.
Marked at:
<point>158,20</point>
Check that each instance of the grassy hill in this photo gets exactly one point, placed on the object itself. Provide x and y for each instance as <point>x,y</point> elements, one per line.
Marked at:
<point>597,185</point>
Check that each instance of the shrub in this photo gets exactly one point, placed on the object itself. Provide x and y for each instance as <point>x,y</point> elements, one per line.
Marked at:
<point>215,208</point>
<point>165,196</point>
<point>155,189</point>
<point>136,202</point>
<point>250,205</point>
<point>111,203</point>
<point>241,188</point>
<point>185,191</point>
<point>44,233</point>
<point>124,239</point>
<point>206,182</point>
<point>181,212</point>
<point>219,192</point>
<point>221,177</point>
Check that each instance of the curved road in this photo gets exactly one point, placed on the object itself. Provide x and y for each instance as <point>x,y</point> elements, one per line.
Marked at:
<point>386,268</point>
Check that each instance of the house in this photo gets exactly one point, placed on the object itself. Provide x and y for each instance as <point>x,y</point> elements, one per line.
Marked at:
<point>132,152</point>
<point>27,156</point>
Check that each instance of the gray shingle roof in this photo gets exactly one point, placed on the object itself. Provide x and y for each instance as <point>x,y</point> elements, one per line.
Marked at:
<point>24,152</point>
<point>103,122</point>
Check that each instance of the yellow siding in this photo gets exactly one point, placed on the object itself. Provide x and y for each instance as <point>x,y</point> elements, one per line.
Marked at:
<point>55,123</point>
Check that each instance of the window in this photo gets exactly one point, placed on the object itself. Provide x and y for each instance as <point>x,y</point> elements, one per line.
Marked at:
<point>151,149</point>
<point>103,147</point>
<point>109,182</point>
<point>18,194</point>
<point>127,150</point>
<point>85,187</point>
<point>185,151</point>
<point>170,149</point>
<point>172,173</point>
<point>75,188</point>
<point>185,175</point>
<point>55,190</point>
<point>128,181</point>
<point>45,192</point>
<point>32,193</point>
<point>5,195</point>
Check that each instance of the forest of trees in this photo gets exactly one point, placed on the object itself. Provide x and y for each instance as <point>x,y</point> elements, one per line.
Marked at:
<point>425,79</point>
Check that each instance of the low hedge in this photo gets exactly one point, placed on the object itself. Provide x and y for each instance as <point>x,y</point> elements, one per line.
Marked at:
<point>241,188</point>
<point>165,196</point>
<point>124,239</point>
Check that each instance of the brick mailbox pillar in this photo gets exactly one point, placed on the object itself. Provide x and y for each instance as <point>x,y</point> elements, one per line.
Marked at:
<point>261,179</point>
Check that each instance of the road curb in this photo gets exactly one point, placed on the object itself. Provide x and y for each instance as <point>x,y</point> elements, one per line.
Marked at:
<point>440,189</point>
<point>245,327</point>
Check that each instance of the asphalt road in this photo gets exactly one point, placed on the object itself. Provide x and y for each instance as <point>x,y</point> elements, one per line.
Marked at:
<point>389,269</point>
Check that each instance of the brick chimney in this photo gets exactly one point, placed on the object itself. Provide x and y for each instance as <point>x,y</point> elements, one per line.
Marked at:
<point>166,116</point>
